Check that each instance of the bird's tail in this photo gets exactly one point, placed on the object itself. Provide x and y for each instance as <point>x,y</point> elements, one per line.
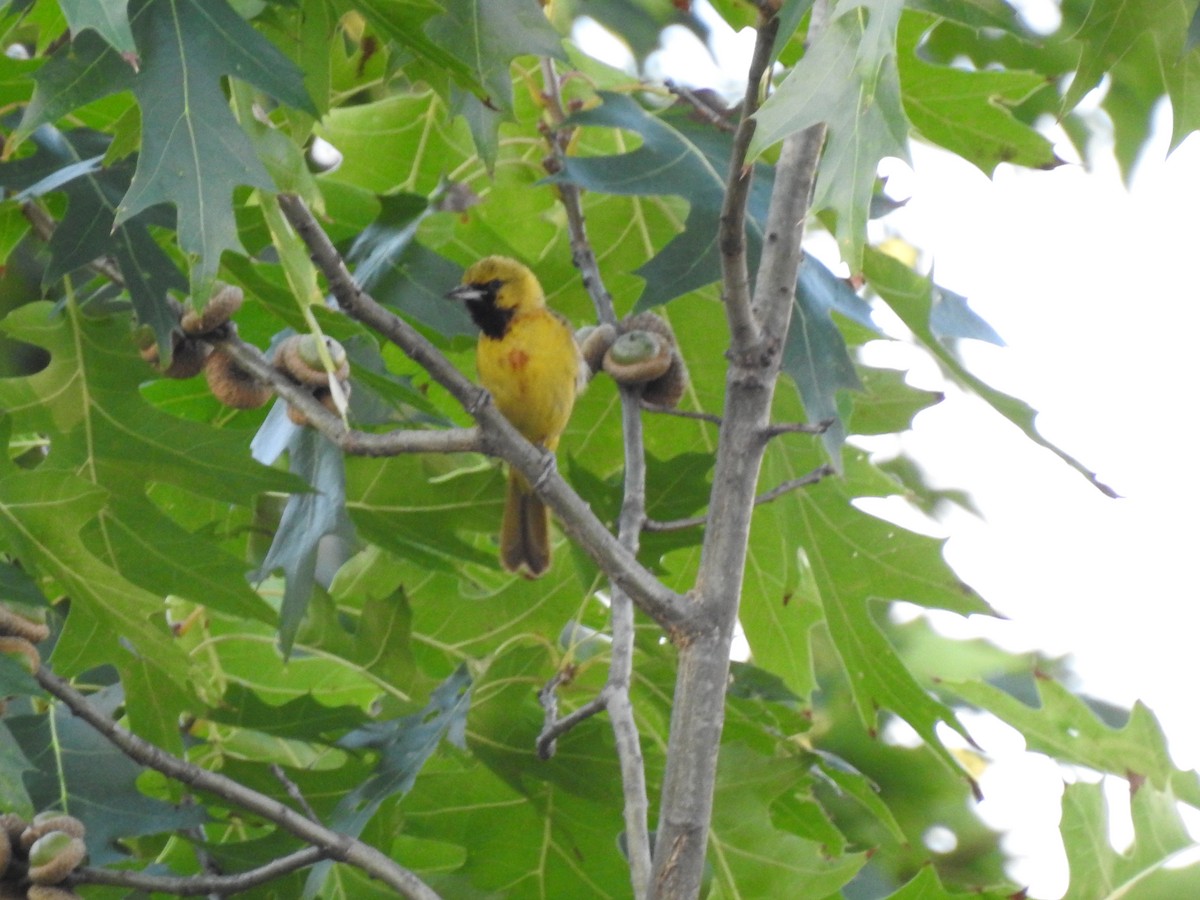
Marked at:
<point>524,530</point>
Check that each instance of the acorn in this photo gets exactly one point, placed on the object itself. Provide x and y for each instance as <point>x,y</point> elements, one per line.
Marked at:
<point>17,625</point>
<point>594,341</point>
<point>51,892</point>
<point>187,356</point>
<point>220,308</point>
<point>648,355</point>
<point>325,396</point>
<point>27,654</point>
<point>233,385</point>
<point>637,357</point>
<point>12,826</point>
<point>299,357</point>
<point>53,820</point>
<point>54,856</point>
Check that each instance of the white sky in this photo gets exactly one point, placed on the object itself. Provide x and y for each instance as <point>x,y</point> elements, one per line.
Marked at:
<point>1091,286</point>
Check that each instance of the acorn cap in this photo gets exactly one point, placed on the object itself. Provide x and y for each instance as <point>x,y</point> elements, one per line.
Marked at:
<point>26,654</point>
<point>233,385</point>
<point>54,856</point>
<point>325,397</point>
<point>668,389</point>
<point>220,308</point>
<point>594,341</point>
<point>53,820</point>
<point>299,357</point>
<point>187,357</point>
<point>636,357</point>
<point>14,624</point>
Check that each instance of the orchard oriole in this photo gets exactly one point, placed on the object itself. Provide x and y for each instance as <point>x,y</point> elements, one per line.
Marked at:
<point>528,360</point>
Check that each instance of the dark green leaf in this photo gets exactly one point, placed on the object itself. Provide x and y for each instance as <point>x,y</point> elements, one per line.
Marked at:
<point>87,231</point>
<point>815,355</point>
<point>13,766</point>
<point>194,153</point>
<point>308,519</point>
<point>404,745</point>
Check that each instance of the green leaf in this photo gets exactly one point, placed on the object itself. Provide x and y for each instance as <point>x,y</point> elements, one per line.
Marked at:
<point>857,560</point>
<point>41,516</point>
<point>926,885</point>
<point>969,112</point>
<point>308,519</point>
<point>848,79</point>
<point>911,297</point>
<point>417,131</point>
<point>1112,29</point>
<point>303,718</point>
<point>815,355</point>
<point>81,72</point>
<point>107,18</point>
<point>1144,869</point>
<point>887,404</point>
<point>13,766</point>
<point>750,854</point>
<point>194,153</point>
<point>486,35</point>
<point>79,771</point>
<point>1064,727</point>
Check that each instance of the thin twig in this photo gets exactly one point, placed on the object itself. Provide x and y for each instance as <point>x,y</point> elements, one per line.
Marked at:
<point>582,254</point>
<point>772,431</point>
<point>194,885</point>
<point>766,497</point>
<point>352,441</point>
<point>330,844</point>
<point>293,791</point>
<point>714,115</point>
<point>556,727</point>
<point>682,413</point>
<point>731,235</point>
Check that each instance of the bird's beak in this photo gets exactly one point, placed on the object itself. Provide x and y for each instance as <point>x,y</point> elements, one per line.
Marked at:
<point>464,292</point>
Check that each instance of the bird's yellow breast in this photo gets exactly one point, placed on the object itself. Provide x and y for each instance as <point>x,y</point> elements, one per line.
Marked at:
<point>532,374</point>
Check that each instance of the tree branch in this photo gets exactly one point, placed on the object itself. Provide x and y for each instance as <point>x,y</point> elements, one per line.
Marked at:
<point>194,885</point>
<point>497,434</point>
<point>731,235</point>
<point>330,843</point>
<point>615,694</point>
<point>757,340</point>
<point>766,497</point>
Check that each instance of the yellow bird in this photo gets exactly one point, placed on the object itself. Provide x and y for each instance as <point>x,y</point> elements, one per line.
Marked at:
<point>528,360</point>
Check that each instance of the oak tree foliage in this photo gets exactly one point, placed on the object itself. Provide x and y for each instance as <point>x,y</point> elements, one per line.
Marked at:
<point>329,628</point>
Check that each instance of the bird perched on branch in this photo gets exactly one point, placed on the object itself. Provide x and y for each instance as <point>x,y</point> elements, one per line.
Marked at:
<point>528,360</point>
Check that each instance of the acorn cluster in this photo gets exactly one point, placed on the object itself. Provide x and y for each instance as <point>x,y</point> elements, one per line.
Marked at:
<point>316,363</point>
<point>192,352</point>
<point>36,857</point>
<point>640,351</point>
